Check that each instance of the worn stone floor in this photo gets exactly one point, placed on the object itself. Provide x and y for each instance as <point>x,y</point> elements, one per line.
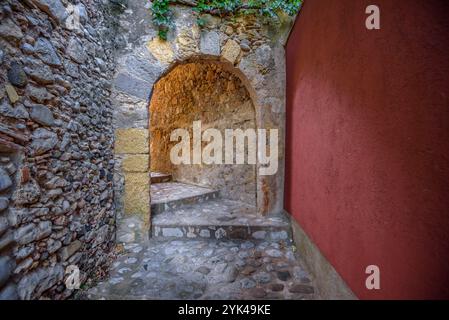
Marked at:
<point>202,269</point>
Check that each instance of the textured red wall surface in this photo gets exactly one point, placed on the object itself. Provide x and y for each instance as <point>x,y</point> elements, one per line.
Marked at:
<point>367,141</point>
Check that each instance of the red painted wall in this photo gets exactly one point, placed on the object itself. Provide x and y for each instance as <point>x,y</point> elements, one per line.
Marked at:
<point>367,141</point>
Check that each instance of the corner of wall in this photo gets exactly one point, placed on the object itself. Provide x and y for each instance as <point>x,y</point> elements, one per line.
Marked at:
<point>328,282</point>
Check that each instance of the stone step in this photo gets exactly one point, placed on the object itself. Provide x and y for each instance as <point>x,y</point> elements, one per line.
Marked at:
<point>220,219</point>
<point>158,177</point>
<point>172,195</point>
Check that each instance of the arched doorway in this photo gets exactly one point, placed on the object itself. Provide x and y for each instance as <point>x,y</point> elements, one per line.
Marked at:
<point>132,137</point>
<point>208,93</point>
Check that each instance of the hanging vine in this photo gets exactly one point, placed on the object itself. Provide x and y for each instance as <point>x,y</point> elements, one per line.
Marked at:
<point>162,15</point>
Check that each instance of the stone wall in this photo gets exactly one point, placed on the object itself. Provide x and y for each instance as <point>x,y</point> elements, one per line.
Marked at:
<point>56,145</point>
<point>206,92</point>
<point>248,48</point>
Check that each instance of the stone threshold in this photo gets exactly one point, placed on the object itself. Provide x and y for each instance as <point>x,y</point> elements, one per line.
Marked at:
<point>220,219</point>
<point>158,177</point>
<point>172,195</point>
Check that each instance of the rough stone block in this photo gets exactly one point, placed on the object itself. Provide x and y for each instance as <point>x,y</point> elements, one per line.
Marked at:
<point>16,75</point>
<point>6,267</point>
<point>9,30</point>
<point>280,235</point>
<point>47,52</point>
<point>4,225</point>
<point>12,93</point>
<point>259,234</point>
<point>132,85</point>
<point>231,51</point>
<point>210,43</point>
<point>4,202</point>
<point>26,234</point>
<point>69,250</point>
<point>137,193</point>
<point>172,232</point>
<point>6,240</point>
<point>161,50</point>
<point>136,163</point>
<point>131,141</point>
<point>17,112</point>
<point>42,115</point>
<point>9,292</point>
<point>53,8</point>
<point>43,141</point>
<point>44,229</point>
<point>143,68</point>
<point>5,183</point>
<point>33,284</point>
<point>76,51</point>
<point>131,113</point>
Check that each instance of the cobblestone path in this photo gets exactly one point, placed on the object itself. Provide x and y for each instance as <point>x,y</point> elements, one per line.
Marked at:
<point>257,264</point>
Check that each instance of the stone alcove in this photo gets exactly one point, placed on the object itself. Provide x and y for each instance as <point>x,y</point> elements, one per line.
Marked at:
<point>202,90</point>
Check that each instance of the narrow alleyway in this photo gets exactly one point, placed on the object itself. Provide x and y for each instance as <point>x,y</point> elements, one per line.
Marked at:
<point>224,149</point>
<point>204,247</point>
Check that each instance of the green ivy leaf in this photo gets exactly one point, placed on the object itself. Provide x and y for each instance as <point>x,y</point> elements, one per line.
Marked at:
<point>162,34</point>
<point>162,16</point>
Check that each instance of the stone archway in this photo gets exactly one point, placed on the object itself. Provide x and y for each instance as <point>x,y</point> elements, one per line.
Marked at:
<point>202,90</point>
<point>146,59</point>
<point>134,152</point>
<point>133,149</point>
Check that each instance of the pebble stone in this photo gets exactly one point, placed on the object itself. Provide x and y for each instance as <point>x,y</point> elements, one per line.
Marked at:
<point>16,75</point>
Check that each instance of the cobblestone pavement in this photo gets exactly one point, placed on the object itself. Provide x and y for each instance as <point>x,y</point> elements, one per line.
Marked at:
<point>202,269</point>
<point>219,211</point>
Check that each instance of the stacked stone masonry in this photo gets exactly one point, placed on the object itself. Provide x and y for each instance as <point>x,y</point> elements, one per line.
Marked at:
<point>56,139</point>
